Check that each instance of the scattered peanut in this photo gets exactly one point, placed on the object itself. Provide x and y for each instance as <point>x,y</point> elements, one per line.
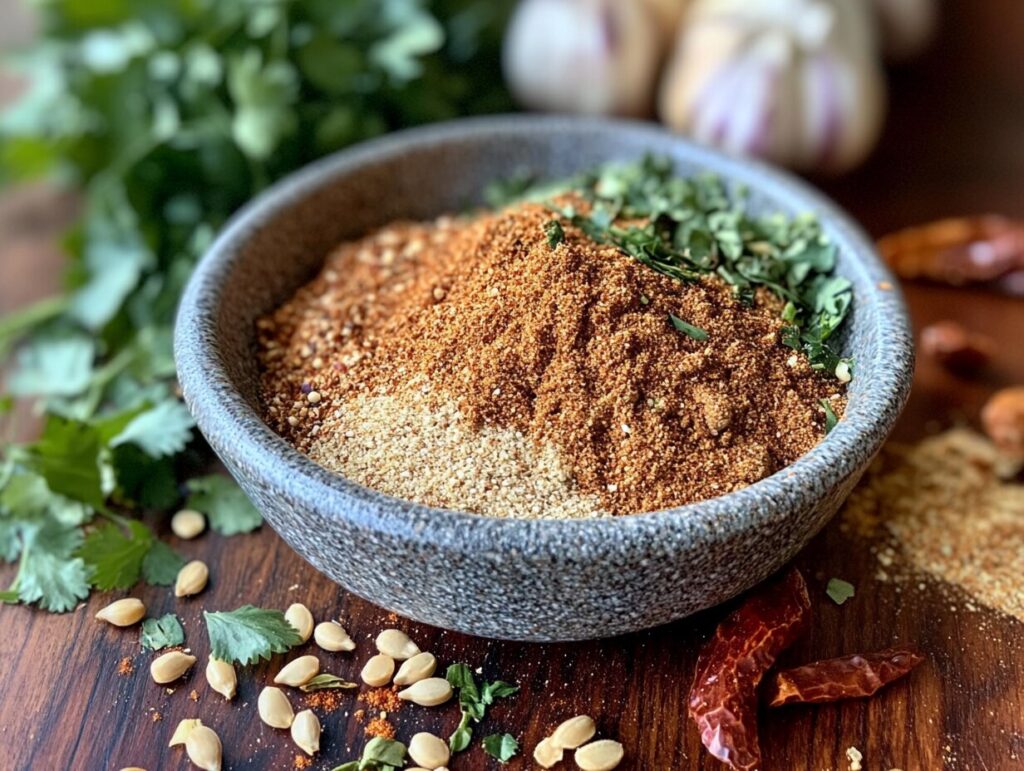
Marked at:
<point>170,666</point>
<point>187,524</point>
<point>299,671</point>
<point>192,579</point>
<point>298,616</point>
<point>274,708</point>
<point>221,677</point>
<point>602,755</point>
<point>1003,419</point>
<point>378,670</point>
<point>419,667</point>
<point>428,693</point>
<point>204,748</point>
<point>574,732</point>
<point>547,754</point>
<point>331,636</point>
<point>183,729</point>
<point>306,732</point>
<point>124,612</point>
<point>396,644</point>
<point>429,751</point>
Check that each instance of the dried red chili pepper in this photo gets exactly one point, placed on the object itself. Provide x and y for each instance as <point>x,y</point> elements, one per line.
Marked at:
<point>723,698</point>
<point>963,250</point>
<point>846,677</point>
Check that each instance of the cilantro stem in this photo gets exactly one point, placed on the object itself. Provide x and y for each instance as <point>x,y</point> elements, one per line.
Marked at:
<point>15,325</point>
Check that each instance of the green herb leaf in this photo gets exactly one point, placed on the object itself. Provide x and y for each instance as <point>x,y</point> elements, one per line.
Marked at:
<point>58,367</point>
<point>831,421</point>
<point>555,233</point>
<point>688,329</point>
<point>839,590</point>
<point>226,508</point>
<point>161,431</point>
<point>249,634</point>
<point>325,681</point>
<point>115,556</point>
<point>162,632</point>
<point>473,702</point>
<point>501,747</point>
<point>383,752</point>
<point>161,564</point>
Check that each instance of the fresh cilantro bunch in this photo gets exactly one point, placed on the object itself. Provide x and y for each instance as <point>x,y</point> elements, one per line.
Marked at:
<point>692,227</point>
<point>168,115</point>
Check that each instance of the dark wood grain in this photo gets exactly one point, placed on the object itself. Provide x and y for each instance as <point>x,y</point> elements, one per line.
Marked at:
<point>953,145</point>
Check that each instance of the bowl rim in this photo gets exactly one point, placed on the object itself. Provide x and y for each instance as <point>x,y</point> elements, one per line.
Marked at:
<point>220,410</point>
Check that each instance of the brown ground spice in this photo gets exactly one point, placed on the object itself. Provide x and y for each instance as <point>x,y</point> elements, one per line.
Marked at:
<point>125,666</point>
<point>466,363</point>
<point>328,700</point>
<point>951,507</point>
<point>385,699</point>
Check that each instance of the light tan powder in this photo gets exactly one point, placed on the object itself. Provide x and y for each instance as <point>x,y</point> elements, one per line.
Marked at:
<point>952,509</point>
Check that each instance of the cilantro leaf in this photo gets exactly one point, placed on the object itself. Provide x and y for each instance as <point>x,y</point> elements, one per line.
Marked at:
<point>162,632</point>
<point>226,508</point>
<point>115,557</point>
<point>56,582</point>
<point>249,634</point>
<point>687,329</point>
<point>839,591</point>
<point>473,702</point>
<point>68,457</point>
<point>161,431</point>
<point>326,681</point>
<point>554,232</point>
<point>501,747</point>
<point>831,421</point>
<point>57,367</point>
<point>161,564</point>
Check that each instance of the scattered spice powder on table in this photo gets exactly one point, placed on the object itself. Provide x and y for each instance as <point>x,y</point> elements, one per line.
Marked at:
<point>125,666</point>
<point>953,507</point>
<point>468,363</point>
<point>379,727</point>
<point>385,699</point>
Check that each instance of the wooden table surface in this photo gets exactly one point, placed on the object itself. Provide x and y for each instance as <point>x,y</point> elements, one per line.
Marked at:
<point>954,144</point>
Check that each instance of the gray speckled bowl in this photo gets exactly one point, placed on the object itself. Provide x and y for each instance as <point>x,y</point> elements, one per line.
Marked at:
<point>526,580</point>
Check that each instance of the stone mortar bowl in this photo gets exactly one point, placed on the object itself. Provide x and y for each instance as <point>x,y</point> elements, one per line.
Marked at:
<point>514,579</point>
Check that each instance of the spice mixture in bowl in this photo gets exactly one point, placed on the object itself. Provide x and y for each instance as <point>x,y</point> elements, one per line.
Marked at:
<point>630,341</point>
<point>380,359</point>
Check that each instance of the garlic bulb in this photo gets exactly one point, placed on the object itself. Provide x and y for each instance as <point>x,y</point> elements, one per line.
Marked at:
<point>667,15</point>
<point>594,57</point>
<point>906,26</point>
<point>794,81</point>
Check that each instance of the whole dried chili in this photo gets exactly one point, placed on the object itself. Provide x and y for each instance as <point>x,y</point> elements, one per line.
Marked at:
<point>963,250</point>
<point>846,677</point>
<point>723,698</point>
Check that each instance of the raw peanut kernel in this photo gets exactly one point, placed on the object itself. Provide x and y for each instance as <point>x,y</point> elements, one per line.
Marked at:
<point>122,612</point>
<point>298,616</point>
<point>547,754</point>
<point>1003,419</point>
<point>378,670</point>
<point>428,693</point>
<point>183,729</point>
<point>192,579</point>
<point>306,732</point>
<point>603,755</point>
<point>274,708</point>
<point>396,644</point>
<point>221,677</point>
<point>170,666</point>
<point>331,636</point>
<point>429,751</point>
<point>419,667</point>
<point>298,672</point>
<point>187,524</point>
<point>204,748</point>
<point>574,732</point>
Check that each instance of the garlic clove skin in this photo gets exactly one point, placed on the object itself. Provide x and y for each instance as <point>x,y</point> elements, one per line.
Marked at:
<point>796,82</point>
<point>591,57</point>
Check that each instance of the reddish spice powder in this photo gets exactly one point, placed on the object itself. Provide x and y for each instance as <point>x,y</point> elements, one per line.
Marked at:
<point>570,345</point>
<point>379,727</point>
<point>327,700</point>
<point>125,666</point>
<point>382,699</point>
<point>301,761</point>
